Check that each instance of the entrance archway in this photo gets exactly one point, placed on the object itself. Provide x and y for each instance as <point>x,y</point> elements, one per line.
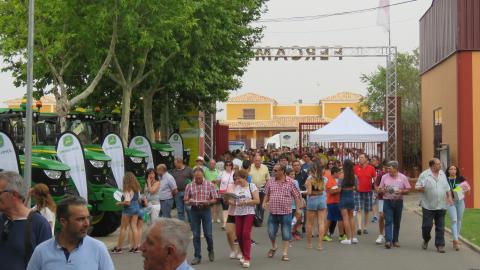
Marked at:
<point>312,53</point>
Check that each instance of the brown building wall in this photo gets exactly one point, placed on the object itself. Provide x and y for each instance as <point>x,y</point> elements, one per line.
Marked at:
<point>448,26</point>
<point>468,24</point>
<point>439,90</point>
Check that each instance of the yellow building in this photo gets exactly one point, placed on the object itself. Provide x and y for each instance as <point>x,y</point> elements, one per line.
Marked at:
<point>48,103</point>
<point>254,118</point>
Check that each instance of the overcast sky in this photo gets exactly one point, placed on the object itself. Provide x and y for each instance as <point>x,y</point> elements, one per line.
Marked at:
<point>288,81</point>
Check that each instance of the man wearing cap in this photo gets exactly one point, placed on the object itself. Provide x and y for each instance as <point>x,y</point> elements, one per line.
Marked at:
<point>200,163</point>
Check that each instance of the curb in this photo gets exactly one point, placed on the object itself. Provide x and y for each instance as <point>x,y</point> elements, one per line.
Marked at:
<point>471,245</point>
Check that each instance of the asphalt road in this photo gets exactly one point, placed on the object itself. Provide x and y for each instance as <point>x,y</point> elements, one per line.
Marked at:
<point>365,255</point>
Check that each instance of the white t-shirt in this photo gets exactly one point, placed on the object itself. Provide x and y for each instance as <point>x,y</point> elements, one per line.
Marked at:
<point>225,179</point>
<point>48,215</point>
<point>244,193</point>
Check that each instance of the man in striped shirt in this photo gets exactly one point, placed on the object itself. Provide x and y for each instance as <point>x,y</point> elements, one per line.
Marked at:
<point>200,195</point>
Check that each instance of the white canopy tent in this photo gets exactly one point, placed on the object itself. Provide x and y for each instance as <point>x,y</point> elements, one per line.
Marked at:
<point>348,127</point>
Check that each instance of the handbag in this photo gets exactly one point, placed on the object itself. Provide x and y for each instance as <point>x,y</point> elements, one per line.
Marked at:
<point>258,216</point>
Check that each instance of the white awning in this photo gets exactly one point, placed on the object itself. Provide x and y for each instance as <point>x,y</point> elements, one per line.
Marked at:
<point>348,127</point>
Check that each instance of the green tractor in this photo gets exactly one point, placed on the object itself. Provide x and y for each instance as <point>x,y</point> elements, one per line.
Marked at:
<point>107,122</point>
<point>91,132</point>
<point>45,170</point>
<point>106,215</point>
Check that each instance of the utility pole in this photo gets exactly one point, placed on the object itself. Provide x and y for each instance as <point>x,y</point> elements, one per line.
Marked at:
<point>27,170</point>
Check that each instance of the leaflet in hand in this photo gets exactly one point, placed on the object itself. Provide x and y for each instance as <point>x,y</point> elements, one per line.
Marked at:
<point>230,196</point>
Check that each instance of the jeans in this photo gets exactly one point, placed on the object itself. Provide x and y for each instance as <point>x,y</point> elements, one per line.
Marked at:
<point>392,210</point>
<point>455,212</point>
<point>181,207</point>
<point>201,217</point>
<point>166,208</point>
<point>285,221</point>
<point>243,231</point>
<point>427,223</point>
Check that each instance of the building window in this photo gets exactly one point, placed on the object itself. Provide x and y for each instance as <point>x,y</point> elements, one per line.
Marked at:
<point>248,113</point>
<point>437,129</point>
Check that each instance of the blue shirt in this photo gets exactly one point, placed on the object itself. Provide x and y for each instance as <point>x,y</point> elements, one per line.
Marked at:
<point>12,248</point>
<point>184,266</point>
<point>90,254</point>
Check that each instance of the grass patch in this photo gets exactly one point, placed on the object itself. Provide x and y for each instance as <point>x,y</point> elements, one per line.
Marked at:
<point>470,225</point>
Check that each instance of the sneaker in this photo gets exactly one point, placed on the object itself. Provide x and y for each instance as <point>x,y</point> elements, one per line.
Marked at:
<point>233,255</point>
<point>253,243</point>
<point>380,239</point>
<point>342,237</point>
<point>239,256</point>
<point>359,232</point>
<point>116,250</point>
<point>388,245</point>
<point>246,264</point>
<point>346,242</point>
<point>195,261</point>
<point>241,260</point>
<point>425,245</point>
<point>296,236</point>
<point>219,221</point>
<point>365,231</point>
<point>211,256</point>
<point>327,238</point>
<point>374,219</point>
<point>354,240</point>
<point>235,242</point>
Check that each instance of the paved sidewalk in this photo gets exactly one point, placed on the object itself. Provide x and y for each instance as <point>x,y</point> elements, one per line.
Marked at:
<point>365,255</point>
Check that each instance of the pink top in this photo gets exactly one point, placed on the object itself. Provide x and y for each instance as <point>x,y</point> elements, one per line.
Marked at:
<point>391,184</point>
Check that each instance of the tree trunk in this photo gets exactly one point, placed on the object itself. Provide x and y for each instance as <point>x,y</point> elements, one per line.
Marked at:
<point>165,118</point>
<point>148,115</point>
<point>125,123</point>
<point>62,111</point>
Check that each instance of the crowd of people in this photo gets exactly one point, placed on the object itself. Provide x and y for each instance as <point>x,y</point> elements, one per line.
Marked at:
<point>306,196</point>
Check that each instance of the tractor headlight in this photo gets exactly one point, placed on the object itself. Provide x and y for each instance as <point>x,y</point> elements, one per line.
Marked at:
<point>164,154</point>
<point>53,174</point>
<point>97,163</point>
<point>109,164</point>
<point>136,159</point>
<point>67,174</point>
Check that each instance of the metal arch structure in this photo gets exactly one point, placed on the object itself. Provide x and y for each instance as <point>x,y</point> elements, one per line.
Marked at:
<point>323,53</point>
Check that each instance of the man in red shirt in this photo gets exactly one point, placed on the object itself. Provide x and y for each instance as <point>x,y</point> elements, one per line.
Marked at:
<point>364,196</point>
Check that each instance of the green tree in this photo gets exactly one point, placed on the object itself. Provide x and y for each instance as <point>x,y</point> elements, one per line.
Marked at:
<point>74,43</point>
<point>408,88</point>
<point>211,59</point>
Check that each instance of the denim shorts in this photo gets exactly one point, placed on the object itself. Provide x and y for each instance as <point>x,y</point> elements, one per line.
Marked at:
<point>318,202</point>
<point>346,200</point>
<point>334,212</point>
<point>284,221</point>
<point>131,211</point>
